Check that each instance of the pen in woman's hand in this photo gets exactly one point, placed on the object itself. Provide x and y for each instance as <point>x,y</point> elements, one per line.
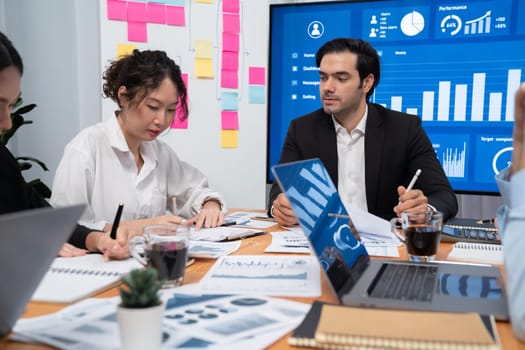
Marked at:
<point>116,222</point>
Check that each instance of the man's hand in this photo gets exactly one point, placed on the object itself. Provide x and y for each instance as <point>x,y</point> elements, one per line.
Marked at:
<point>411,201</point>
<point>282,211</point>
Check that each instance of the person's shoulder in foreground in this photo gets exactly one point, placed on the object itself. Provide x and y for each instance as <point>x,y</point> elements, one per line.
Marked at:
<point>15,193</point>
<point>511,218</point>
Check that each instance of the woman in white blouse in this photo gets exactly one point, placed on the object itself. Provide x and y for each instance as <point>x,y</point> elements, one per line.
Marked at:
<point>122,161</point>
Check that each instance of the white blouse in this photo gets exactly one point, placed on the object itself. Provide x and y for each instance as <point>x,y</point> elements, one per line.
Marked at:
<point>99,170</point>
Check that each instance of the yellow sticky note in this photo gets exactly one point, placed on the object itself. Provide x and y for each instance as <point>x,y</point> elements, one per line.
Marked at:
<point>203,68</point>
<point>229,138</point>
<point>203,49</point>
<point>125,49</point>
<point>205,1</point>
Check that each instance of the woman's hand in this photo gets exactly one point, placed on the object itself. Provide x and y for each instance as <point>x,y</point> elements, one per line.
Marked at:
<point>69,250</point>
<point>210,215</point>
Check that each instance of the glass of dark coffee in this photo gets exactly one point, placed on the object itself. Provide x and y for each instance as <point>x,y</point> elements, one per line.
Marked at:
<point>421,233</point>
<point>165,247</point>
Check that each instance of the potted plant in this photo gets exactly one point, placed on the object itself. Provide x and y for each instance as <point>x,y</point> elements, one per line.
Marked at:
<point>141,311</point>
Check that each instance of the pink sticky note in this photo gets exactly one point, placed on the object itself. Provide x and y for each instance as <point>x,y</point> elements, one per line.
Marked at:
<point>229,79</point>
<point>229,120</point>
<point>175,16</point>
<point>231,6</point>
<point>177,122</point>
<point>117,10</point>
<point>137,31</point>
<point>231,23</point>
<point>230,60</point>
<point>137,12</point>
<point>156,13</point>
<point>256,76</point>
<point>230,42</point>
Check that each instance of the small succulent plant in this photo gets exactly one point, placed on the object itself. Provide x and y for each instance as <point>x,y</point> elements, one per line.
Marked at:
<point>140,289</point>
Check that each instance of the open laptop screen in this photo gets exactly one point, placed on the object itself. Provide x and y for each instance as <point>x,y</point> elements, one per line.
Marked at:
<point>313,195</point>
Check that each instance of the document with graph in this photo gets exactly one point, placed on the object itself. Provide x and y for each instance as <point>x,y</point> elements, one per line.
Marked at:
<point>264,275</point>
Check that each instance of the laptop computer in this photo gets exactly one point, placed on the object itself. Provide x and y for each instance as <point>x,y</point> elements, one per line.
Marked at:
<point>31,240</point>
<point>361,281</point>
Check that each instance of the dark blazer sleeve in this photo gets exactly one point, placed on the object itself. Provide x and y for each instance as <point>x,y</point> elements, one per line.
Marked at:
<point>396,145</point>
<point>309,136</point>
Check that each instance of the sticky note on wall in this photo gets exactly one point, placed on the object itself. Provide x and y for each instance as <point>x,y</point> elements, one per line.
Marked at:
<point>204,68</point>
<point>229,138</point>
<point>204,49</point>
<point>125,49</point>
<point>230,120</point>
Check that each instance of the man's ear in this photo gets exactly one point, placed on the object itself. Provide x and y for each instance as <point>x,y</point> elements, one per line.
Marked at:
<point>368,82</point>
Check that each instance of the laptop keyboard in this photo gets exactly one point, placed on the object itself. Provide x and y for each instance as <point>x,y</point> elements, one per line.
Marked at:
<point>405,282</point>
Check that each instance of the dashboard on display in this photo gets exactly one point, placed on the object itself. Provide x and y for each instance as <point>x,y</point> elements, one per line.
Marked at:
<point>454,64</point>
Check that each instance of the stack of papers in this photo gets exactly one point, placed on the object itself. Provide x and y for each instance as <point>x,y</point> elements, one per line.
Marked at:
<point>230,322</point>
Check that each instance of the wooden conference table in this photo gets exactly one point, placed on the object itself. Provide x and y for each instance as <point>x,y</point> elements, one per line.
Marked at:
<point>253,245</point>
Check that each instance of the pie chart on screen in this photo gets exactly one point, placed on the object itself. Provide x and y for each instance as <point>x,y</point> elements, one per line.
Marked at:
<point>412,23</point>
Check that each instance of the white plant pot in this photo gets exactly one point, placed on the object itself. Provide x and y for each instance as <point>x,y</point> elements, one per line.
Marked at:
<point>140,328</point>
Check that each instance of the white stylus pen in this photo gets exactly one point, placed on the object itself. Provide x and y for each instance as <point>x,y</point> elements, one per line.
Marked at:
<point>413,181</point>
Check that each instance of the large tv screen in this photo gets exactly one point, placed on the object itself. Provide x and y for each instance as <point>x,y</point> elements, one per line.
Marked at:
<point>455,64</point>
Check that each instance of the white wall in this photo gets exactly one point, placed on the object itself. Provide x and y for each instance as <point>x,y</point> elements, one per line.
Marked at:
<point>59,43</point>
<point>65,45</point>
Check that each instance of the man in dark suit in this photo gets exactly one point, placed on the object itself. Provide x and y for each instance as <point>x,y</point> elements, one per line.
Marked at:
<point>369,151</point>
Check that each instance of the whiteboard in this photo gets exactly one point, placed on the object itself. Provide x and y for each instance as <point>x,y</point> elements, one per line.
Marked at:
<point>239,174</point>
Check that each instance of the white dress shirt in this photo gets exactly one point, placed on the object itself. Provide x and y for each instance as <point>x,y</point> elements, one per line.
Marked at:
<point>511,225</point>
<point>98,170</point>
<point>351,164</point>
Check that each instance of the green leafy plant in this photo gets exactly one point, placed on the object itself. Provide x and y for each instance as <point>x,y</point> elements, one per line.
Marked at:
<point>140,289</point>
<point>25,163</point>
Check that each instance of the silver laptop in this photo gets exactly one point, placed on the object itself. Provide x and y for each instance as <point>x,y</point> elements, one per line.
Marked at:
<point>361,281</point>
<point>31,240</point>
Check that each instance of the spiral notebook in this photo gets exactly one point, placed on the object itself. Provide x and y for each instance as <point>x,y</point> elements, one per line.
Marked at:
<point>477,252</point>
<point>342,327</point>
<point>71,279</point>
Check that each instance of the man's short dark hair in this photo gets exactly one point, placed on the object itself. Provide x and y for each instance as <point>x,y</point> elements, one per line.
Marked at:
<point>367,57</point>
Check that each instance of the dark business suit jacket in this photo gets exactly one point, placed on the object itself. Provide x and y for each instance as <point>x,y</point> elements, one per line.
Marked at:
<point>395,147</point>
<point>16,194</point>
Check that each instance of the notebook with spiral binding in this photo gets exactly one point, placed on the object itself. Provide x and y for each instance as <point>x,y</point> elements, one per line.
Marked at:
<point>71,279</point>
<point>304,334</point>
<point>477,252</point>
<point>343,327</point>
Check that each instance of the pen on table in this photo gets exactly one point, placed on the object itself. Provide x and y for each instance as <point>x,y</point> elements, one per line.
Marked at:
<point>116,222</point>
<point>229,223</point>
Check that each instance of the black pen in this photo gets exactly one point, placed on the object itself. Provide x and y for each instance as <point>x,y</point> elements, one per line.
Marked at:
<point>485,221</point>
<point>229,223</point>
<point>116,222</point>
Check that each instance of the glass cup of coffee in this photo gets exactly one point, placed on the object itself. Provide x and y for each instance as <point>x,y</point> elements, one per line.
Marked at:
<point>421,233</point>
<point>165,247</point>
